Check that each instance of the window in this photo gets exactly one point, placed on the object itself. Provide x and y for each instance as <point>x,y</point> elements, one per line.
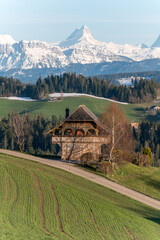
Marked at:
<point>68,132</point>
<point>58,132</point>
<point>79,133</point>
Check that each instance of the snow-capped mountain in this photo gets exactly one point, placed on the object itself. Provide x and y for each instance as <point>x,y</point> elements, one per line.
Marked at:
<point>79,36</point>
<point>6,39</point>
<point>157,42</point>
<point>80,49</point>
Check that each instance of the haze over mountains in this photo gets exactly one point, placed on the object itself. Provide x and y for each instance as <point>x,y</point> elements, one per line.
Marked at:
<point>80,53</point>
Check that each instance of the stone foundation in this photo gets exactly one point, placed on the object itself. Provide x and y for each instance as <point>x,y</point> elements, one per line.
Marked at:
<point>74,147</point>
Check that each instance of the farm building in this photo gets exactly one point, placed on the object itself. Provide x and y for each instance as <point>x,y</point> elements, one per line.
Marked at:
<point>81,133</point>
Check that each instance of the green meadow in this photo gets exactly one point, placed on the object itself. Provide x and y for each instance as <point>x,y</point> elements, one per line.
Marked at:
<point>97,106</point>
<point>40,202</point>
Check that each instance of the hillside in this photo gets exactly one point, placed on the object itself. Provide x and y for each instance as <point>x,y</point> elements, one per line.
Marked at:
<point>47,109</point>
<point>145,180</point>
<point>142,179</point>
<point>40,202</point>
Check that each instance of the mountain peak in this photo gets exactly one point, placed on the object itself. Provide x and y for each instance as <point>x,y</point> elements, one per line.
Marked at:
<point>142,45</point>
<point>85,30</point>
<point>157,42</point>
<point>79,35</point>
<point>6,39</point>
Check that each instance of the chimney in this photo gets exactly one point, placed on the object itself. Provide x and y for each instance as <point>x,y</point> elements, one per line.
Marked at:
<point>67,112</point>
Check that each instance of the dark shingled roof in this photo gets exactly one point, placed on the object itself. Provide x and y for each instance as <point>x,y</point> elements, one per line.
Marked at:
<point>82,113</point>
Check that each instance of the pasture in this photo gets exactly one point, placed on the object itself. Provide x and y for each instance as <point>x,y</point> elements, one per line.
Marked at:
<point>41,202</point>
<point>47,109</point>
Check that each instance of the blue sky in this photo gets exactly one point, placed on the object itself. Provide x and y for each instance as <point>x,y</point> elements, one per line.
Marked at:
<point>120,21</point>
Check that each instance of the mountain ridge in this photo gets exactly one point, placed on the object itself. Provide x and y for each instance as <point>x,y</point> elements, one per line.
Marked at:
<point>79,48</point>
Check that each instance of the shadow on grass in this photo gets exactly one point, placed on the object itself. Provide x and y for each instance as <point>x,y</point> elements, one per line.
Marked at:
<point>145,212</point>
<point>156,220</point>
<point>140,109</point>
<point>151,182</point>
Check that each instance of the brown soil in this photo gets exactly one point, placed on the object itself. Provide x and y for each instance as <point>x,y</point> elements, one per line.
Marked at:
<point>57,213</point>
<point>94,220</point>
<point>41,205</point>
<point>90,176</point>
<point>131,236</point>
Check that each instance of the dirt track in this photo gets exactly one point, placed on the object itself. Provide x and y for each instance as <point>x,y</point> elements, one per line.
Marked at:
<point>90,176</point>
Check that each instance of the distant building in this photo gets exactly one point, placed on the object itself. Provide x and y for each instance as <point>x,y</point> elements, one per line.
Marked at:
<point>81,133</point>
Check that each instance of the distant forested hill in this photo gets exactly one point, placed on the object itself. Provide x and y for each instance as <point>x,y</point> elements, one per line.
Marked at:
<point>114,77</point>
<point>141,91</point>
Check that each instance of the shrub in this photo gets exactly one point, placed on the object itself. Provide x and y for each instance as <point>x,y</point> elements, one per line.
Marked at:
<point>141,159</point>
<point>147,151</point>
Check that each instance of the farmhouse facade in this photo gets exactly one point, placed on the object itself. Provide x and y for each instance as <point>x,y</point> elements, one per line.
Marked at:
<point>81,133</point>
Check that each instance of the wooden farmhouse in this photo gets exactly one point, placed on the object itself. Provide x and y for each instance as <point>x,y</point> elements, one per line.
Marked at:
<point>79,134</point>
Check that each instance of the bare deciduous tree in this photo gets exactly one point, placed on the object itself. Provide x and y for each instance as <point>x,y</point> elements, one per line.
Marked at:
<point>20,127</point>
<point>121,140</point>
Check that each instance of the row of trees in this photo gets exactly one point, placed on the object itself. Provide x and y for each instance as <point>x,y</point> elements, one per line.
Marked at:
<point>140,91</point>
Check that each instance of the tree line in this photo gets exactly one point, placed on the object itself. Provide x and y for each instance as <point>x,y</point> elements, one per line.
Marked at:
<point>141,91</point>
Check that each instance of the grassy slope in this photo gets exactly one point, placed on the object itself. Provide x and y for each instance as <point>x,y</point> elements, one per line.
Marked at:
<point>40,202</point>
<point>134,112</point>
<point>142,179</point>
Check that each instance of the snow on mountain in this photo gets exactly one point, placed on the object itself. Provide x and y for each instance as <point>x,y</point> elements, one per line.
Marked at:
<point>157,42</point>
<point>6,39</point>
<point>82,35</point>
<point>79,48</point>
<point>31,54</point>
<point>82,47</point>
<point>142,45</point>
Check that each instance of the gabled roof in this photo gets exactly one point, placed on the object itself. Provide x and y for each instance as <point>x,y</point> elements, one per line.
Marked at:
<point>82,113</point>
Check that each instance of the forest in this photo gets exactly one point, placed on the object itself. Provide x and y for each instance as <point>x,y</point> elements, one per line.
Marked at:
<point>23,133</point>
<point>141,91</point>
<point>148,135</point>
